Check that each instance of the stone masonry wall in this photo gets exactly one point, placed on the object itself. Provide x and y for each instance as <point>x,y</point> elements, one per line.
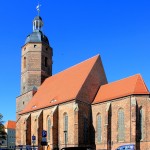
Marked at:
<point>22,101</point>
<point>143,102</point>
<point>84,113</point>
<point>101,108</point>
<point>34,68</point>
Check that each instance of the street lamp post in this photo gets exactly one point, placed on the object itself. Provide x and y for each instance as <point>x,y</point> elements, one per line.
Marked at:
<point>65,132</point>
<point>33,140</point>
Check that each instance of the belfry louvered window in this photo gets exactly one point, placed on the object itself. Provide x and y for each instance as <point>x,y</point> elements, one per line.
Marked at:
<point>141,123</point>
<point>121,126</point>
<point>99,128</point>
<point>48,128</point>
<point>65,128</point>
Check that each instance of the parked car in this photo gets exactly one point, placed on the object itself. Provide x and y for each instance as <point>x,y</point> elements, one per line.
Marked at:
<point>126,147</point>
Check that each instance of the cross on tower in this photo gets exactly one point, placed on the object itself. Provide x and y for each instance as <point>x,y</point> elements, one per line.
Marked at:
<point>38,8</point>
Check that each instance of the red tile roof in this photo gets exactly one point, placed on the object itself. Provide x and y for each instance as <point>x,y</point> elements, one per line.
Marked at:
<point>128,86</point>
<point>62,87</point>
<point>10,125</point>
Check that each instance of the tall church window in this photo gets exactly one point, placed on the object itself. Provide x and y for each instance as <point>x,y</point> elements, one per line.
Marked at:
<point>85,130</point>
<point>24,62</point>
<point>121,126</point>
<point>48,128</point>
<point>46,61</point>
<point>141,123</point>
<point>99,128</point>
<point>65,128</point>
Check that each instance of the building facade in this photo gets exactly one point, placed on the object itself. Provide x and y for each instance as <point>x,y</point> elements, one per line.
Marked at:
<point>78,107</point>
<point>10,129</point>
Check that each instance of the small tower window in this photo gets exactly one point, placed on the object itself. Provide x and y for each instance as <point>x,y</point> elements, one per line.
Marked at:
<point>24,62</point>
<point>35,46</point>
<point>46,62</point>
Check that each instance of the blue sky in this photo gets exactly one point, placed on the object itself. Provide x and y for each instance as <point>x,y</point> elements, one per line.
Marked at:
<point>118,30</point>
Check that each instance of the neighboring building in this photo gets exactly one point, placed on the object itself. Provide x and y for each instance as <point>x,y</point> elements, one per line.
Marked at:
<point>10,129</point>
<point>3,142</point>
<point>77,107</point>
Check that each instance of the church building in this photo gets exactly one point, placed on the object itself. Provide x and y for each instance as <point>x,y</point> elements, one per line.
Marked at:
<point>78,107</point>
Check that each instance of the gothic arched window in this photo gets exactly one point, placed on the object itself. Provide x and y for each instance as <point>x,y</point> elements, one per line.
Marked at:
<point>141,123</point>
<point>65,128</point>
<point>48,128</point>
<point>99,128</point>
<point>121,126</point>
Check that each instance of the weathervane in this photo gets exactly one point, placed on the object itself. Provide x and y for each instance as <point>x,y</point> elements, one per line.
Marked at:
<point>38,8</point>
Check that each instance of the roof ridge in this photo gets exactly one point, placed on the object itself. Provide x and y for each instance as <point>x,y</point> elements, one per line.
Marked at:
<point>136,83</point>
<point>78,64</point>
<point>88,73</point>
<point>11,120</point>
<point>98,55</point>
<point>122,79</point>
<point>140,77</point>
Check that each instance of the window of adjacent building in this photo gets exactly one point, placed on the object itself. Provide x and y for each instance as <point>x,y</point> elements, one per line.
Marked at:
<point>65,128</point>
<point>99,128</point>
<point>48,128</point>
<point>46,62</point>
<point>85,130</point>
<point>121,126</point>
<point>24,62</point>
<point>141,123</point>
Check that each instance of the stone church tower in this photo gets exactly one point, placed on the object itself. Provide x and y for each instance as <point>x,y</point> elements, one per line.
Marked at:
<point>36,64</point>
